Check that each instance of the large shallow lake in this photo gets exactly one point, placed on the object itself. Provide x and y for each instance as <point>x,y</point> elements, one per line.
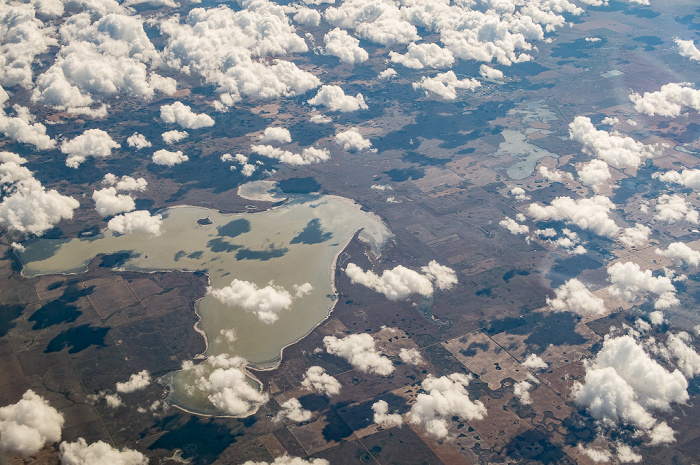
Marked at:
<point>295,243</point>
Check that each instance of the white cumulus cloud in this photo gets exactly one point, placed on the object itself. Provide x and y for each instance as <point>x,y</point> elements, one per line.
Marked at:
<point>573,296</point>
<point>673,208</point>
<point>613,148</point>
<point>687,49</point>
<point>513,226</point>
<point>587,213</point>
<point>293,410</point>
<point>138,141</point>
<point>228,389</point>
<point>686,178</point>
<point>400,282</point>
<point>628,281</point>
<point>27,207</point>
<point>410,356</point>
<point>594,174</point>
<point>445,85</point>
<point>82,453</point>
<point>181,114</point>
<point>352,140</point>
<point>168,158</point>
<point>279,135</point>
<point>383,418</point>
<point>488,72</point>
<point>23,129</point>
<point>171,137</point>
<point>109,203</point>
<point>136,221</point>
<point>334,98</point>
<point>445,397</point>
<point>680,254</point>
<point>307,156</point>
<point>317,379</point>
<point>623,385</point>
<point>27,426</point>
<point>344,46</point>
<point>535,363</point>
<point>266,302</point>
<point>361,352</point>
<point>424,56</point>
<point>91,143</point>
<point>667,101</point>
<point>136,382</point>
<point>289,460</point>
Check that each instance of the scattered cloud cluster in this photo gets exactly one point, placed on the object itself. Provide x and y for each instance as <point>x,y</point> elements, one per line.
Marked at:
<point>680,254</point>
<point>445,85</point>
<point>23,128</point>
<point>27,207</point>
<point>686,178</point>
<point>174,136</point>
<point>27,426</point>
<point>535,363</point>
<point>227,387</point>
<point>410,356</point>
<point>17,56</point>
<point>136,382</point>
<point>400,282</point>
<point>424,56</point>
<point>352,140</point>
<point>573,296</point>
<point>235,50</point>
<point>137,221</point>
<point>289,460</point>
<point>168,158</point>
<point>334,98</point>
<point>623,385</point>
<point>138,141</point>
<point>361,352</point>
<point>513,226</point>
<point>82,453</point>
<point>594,174</point>
<point>677,349</point>
<point>672,208</point>
<point>98,60</point>
<point>109,203</point>
<point>444,398</point>
<point>91,143</point>
<point>292,410</point>
<point>247,169</point>
<point>317,379</point>
<point>276,135</point>
<point>307,156</point>
<point>668,101</point>
<point>503,31</point>
<point>266,302</point>
<point>613,148</point>
<point>688,49</point>
<point>586,213</point>
<point>182,115</point>
<point>383,418</point>
<point>628,281</point>
<point>344,46</point>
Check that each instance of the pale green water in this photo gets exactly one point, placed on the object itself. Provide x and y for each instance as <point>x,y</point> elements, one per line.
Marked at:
<point>186,245</point>
<point>528,154</point>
